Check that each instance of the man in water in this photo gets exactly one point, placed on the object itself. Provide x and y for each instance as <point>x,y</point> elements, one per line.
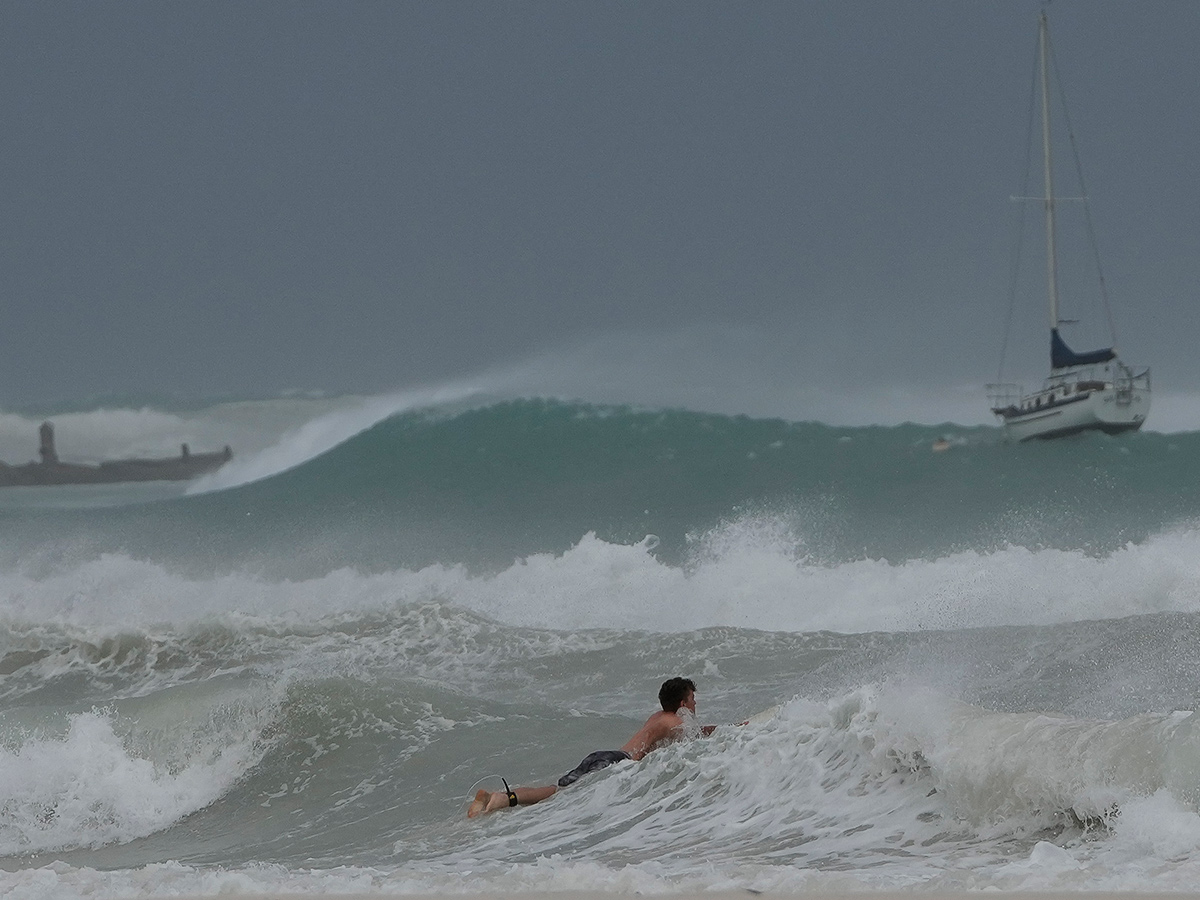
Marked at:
<point>662,727</point>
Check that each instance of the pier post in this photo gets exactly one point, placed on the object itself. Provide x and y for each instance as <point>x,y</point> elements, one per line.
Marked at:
<point>46,450</point>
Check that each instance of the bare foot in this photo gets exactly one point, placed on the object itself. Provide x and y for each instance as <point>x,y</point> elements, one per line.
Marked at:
<point>479,804</point>
<point>499,801</point>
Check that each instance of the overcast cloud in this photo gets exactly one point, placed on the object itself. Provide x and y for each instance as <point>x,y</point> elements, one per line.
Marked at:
<point>232,198</point>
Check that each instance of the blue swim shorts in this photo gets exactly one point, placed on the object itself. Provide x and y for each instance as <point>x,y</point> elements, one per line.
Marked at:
<point>591,763</point>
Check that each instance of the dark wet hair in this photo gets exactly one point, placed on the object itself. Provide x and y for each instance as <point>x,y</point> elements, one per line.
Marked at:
<point>673,692</point>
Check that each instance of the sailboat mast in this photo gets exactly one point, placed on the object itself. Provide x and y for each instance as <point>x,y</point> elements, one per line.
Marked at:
<point>1051,252</point>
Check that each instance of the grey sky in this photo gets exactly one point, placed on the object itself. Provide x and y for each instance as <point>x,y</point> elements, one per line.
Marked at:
<point>246,197</point>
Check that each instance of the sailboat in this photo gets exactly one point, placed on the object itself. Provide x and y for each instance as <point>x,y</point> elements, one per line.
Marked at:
<point>1088,391</point>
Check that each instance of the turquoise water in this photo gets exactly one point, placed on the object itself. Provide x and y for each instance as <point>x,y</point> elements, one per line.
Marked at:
<point>293,675</point>
<point>485,486</point>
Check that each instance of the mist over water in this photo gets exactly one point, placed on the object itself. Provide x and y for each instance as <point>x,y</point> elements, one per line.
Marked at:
<point>291,675</point>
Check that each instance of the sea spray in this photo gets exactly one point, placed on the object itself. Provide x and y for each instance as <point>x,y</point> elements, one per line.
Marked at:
<point>983,657</point>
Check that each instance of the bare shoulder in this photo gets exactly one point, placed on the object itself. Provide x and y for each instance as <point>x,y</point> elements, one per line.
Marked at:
<point>665,721</point>
<point>660,727</point>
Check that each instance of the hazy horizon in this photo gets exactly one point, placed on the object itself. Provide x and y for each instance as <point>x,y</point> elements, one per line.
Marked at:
<point>798,210</point>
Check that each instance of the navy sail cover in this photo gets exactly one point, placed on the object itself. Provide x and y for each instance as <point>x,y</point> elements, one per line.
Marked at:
<point>1062,356</point>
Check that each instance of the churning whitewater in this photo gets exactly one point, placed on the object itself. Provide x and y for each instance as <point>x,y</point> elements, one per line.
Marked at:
<point>293,675</point>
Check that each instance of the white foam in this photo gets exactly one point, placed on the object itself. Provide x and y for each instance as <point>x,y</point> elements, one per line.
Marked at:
<point>266,436</point>
<point>88,787</point>
<point>747,581</point>
<point>870,779</point>
<point>752,576</point>
<point>1001,771</point>
<point>917,792</point>
<point>325,430</point>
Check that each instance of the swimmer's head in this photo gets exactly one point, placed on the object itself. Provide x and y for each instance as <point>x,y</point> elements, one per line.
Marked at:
<point>675,692</point>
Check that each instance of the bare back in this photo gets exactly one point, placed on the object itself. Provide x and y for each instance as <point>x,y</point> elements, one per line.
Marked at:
<point>660,728</point>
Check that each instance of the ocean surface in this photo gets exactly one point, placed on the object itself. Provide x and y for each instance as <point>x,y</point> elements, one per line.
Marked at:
<point>292,675</point>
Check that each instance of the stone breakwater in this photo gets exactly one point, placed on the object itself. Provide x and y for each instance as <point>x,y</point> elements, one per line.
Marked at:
<point>51,471</point>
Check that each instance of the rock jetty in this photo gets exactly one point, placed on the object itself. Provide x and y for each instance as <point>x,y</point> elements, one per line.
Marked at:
<point>50,470</point>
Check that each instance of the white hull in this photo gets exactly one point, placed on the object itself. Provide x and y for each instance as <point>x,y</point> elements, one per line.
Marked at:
<point>1078,395</point>
<point>1063,408</point>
